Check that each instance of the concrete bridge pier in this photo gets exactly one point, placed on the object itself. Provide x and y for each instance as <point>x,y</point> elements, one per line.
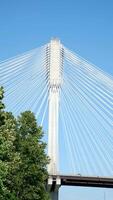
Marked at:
<point>54,195</point>
<point>53,187</point>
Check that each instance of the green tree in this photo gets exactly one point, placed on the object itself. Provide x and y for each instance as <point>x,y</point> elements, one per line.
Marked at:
<point>23,161</point>
<point>1,106</point>
<point>28,180</point>
<point>7,152</point>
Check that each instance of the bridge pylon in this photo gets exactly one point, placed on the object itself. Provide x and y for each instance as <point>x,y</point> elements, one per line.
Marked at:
<point>54,69</point>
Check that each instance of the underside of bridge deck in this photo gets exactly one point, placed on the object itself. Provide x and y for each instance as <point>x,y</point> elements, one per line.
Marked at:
<point>55,181</point>
<point>85,181</point>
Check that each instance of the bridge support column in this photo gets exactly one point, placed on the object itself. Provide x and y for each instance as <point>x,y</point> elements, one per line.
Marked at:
<point>55,78</point>
<point>54,67</point>
<point>54,195</point>
<point>53,187</point>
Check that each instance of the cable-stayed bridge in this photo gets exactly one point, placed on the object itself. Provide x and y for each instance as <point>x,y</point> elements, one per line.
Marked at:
<point>73,101</point>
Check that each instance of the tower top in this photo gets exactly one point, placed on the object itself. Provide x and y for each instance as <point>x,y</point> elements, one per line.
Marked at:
<point>55,39</point>
<point>55,62</point>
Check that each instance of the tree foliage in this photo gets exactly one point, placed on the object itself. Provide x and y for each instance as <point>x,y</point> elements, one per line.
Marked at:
<point>1,106</point>
<point>23,161</point>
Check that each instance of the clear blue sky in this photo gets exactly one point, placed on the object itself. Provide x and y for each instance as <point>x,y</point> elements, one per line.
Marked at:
<point>85,26</point>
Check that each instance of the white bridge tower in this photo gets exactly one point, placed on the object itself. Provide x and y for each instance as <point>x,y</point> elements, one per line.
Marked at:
<point>55,67</point>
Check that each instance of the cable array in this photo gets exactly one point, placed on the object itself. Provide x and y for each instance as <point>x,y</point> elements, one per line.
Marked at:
<point>86,118</point>
<point>86,107</point>
<point>24,78</point>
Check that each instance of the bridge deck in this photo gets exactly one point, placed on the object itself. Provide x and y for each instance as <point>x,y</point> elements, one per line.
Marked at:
<point>85,181</point>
